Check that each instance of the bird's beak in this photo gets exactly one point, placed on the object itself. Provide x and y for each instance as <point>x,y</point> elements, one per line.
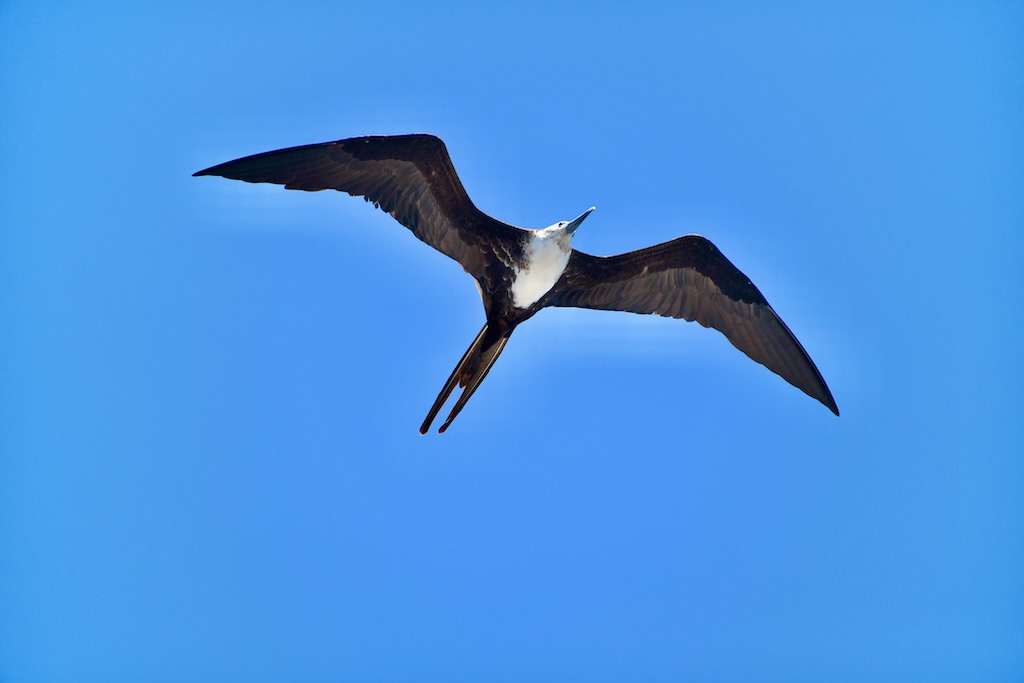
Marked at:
<point>575,222</point>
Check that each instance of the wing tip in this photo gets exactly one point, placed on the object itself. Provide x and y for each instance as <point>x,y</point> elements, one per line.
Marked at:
<point>825,397</point>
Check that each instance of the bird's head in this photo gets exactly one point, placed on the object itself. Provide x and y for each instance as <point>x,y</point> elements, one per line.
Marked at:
<point>570,226</point>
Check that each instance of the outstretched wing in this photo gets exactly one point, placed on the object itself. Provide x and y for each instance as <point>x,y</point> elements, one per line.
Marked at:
<point>689,278</point>
<point>409,176</point>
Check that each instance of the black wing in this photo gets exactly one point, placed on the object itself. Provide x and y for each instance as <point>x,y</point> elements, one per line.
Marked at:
<point>689,278</point>
<point>409,176</point>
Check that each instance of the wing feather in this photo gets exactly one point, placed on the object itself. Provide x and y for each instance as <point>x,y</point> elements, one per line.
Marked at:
<point>410,177</point>
<point>689,278</point>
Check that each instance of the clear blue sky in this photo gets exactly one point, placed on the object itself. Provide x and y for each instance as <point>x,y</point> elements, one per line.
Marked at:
<point>210,391</point>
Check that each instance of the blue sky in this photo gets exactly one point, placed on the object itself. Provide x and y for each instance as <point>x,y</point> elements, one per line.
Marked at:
<point>211,391</point>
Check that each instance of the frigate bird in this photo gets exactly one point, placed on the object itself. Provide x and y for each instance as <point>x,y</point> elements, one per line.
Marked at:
<point>521,271</point>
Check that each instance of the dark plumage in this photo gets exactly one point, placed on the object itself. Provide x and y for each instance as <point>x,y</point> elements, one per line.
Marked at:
<point>412,178</point>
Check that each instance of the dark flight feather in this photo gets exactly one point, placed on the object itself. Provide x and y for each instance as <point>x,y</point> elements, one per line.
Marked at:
<point>689,278</point>
<point>410,177</point>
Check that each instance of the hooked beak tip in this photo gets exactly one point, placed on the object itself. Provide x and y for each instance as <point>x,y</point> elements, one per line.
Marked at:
<point>575,223</point>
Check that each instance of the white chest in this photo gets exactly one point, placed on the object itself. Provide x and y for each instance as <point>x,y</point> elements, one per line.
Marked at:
<point>546,259</point>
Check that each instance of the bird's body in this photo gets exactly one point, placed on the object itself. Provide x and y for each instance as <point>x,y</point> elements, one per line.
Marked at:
<point>546,254</point>
<point>519,272</point>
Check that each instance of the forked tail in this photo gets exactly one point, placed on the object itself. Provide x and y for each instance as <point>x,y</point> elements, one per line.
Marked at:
<point>469,373</point>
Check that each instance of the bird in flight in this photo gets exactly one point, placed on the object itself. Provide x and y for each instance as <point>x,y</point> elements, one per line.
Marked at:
<point>521,271</point>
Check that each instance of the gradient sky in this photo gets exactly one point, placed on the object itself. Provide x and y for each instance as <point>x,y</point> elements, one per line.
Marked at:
<point>209,461</point>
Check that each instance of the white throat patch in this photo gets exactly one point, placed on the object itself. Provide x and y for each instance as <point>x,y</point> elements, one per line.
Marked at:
<point>547,255</point>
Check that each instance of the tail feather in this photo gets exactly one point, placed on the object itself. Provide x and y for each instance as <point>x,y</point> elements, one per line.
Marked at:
<point>469,373</point>
<point>457,374</point>
<point>486,362</point>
